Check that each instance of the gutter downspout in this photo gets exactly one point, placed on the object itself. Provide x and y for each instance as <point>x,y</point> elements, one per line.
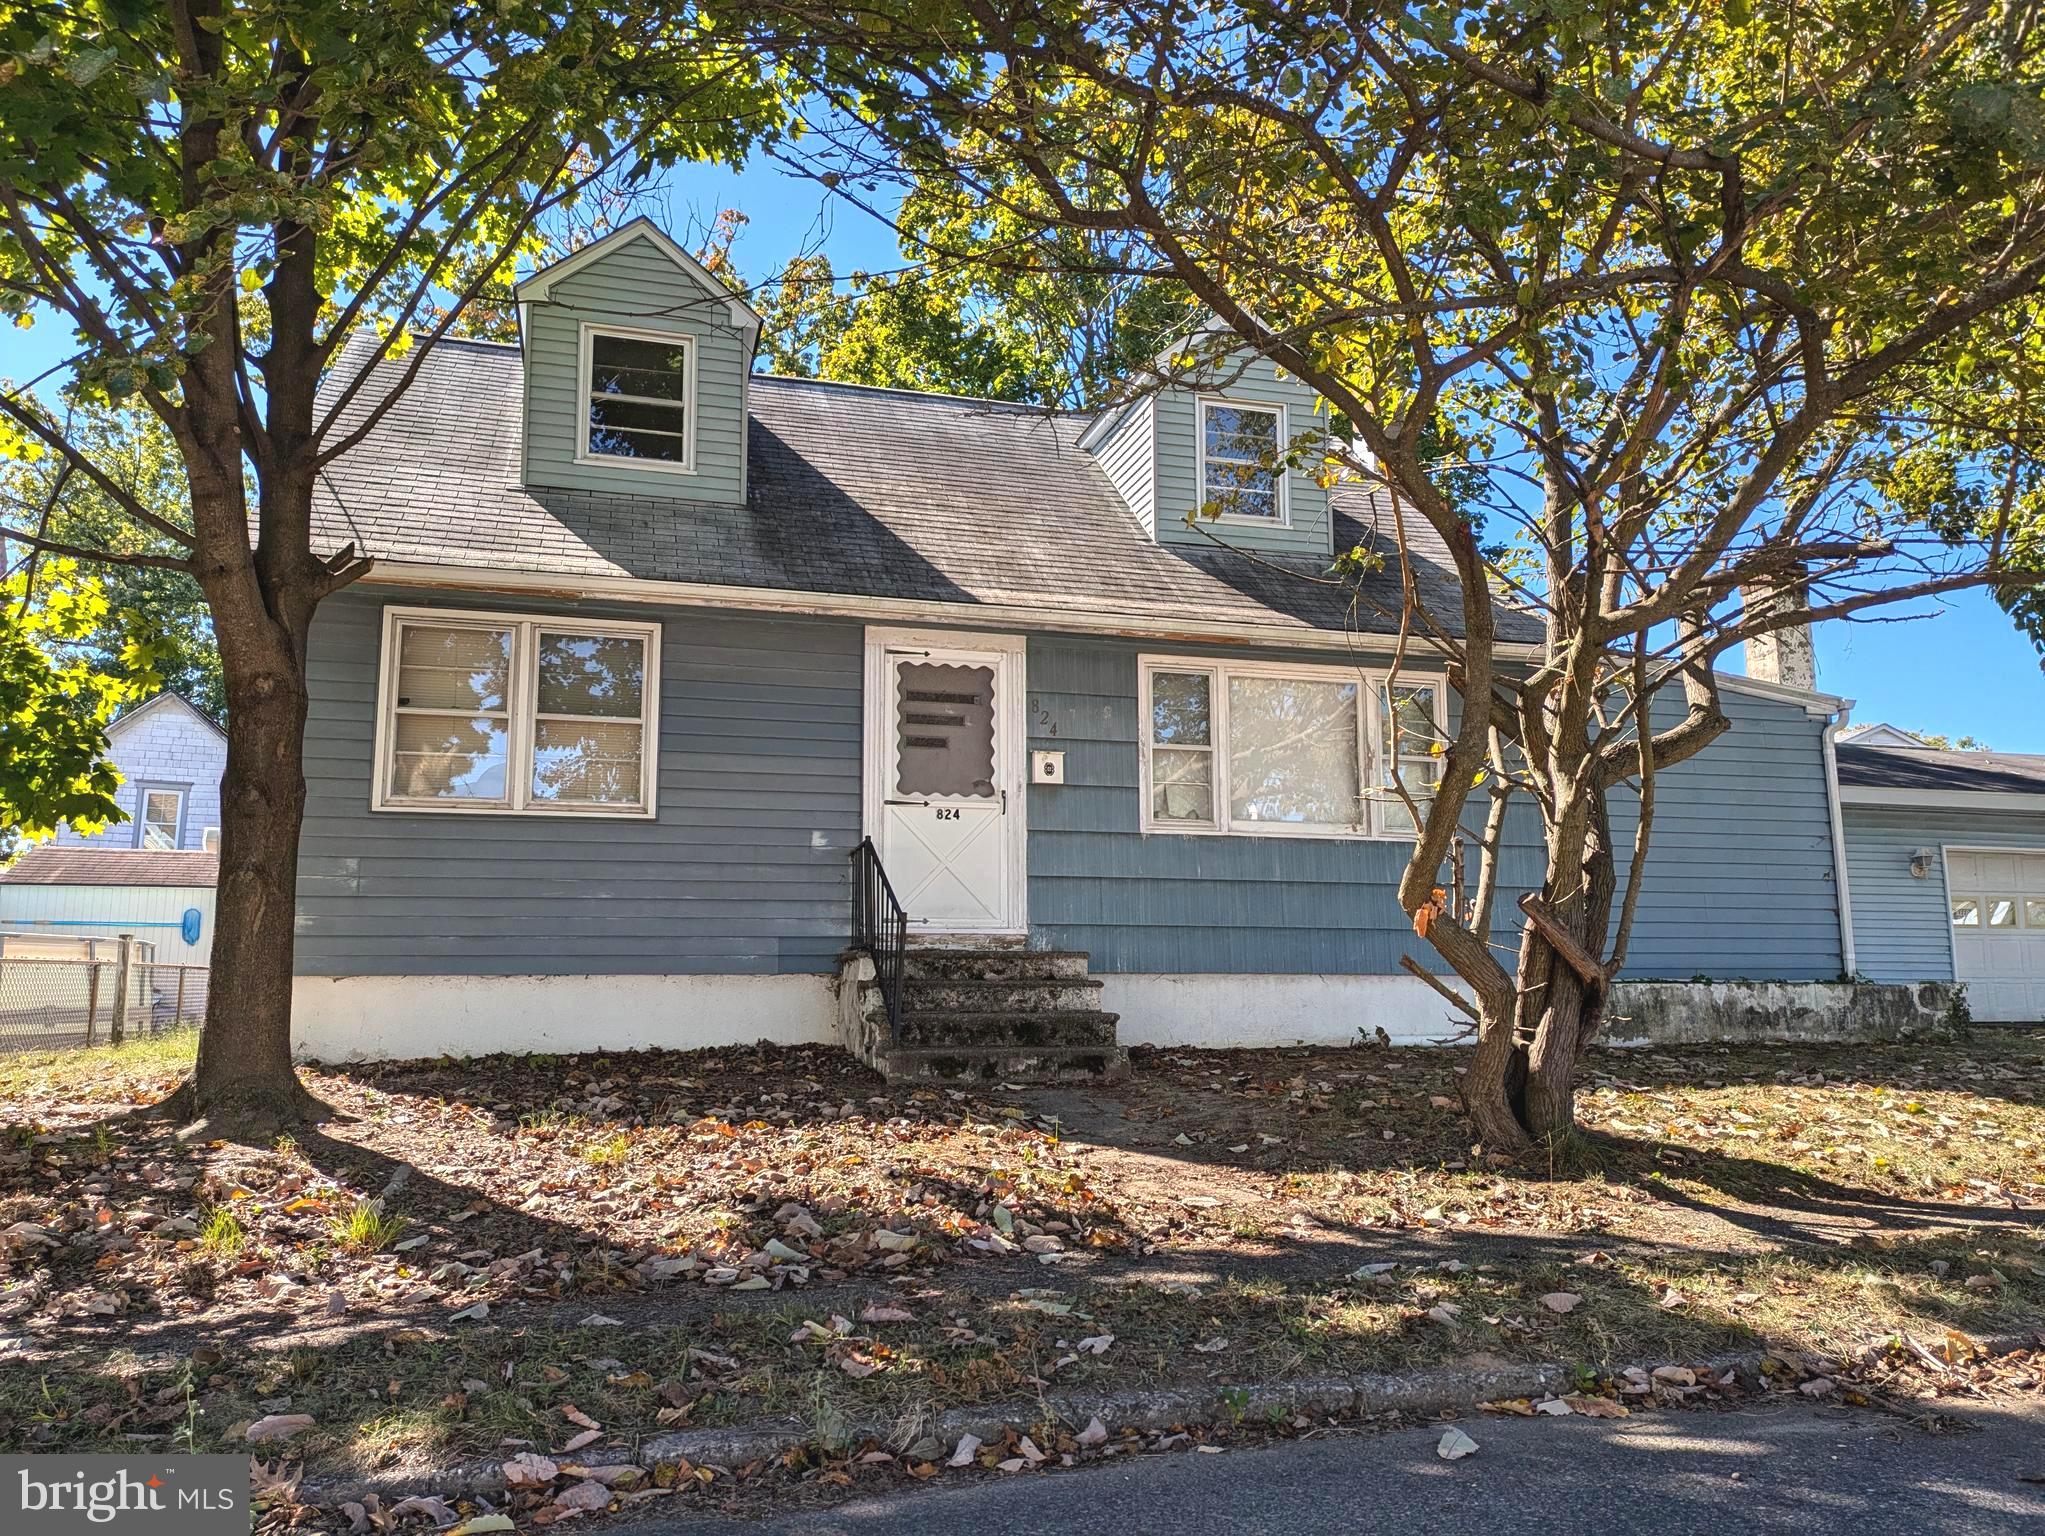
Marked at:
<point>1849,961</point>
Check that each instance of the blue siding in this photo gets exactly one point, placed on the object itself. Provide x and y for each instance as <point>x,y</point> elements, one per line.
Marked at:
<point>1740,869</point>
<point>743,872</point>
<point>634,285</point>
<point>1176,489</point>
<point>1169,902</point>
<point>1900,922</point>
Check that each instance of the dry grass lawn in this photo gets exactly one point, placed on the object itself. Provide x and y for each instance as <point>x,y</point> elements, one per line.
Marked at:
<point>470,1250</point>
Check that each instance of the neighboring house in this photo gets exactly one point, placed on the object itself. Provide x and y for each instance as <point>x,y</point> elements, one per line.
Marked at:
<point>170,757</point>
<point>1879,734</point>
<point>651,643</point>
<point>165,898</point>
<point>1946,869</point>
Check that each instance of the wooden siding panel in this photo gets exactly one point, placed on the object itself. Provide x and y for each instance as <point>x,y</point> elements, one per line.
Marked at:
<point>1900,922</point>
<point>1740,882</point>
<point>1178,466</point>
<point>1128,456</point>
<point>1740,872</point>
<point>743,871</point>
<point>634,286</point>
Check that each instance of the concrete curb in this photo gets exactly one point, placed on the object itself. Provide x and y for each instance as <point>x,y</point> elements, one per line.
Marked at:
<point>1417,1393</point>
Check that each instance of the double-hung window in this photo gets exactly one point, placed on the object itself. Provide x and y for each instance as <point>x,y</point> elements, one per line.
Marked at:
<point>1241,475</point>
<point>1262,750</point>
<point>160,823</point>
<point>639,397</point>
<point>514,714</point>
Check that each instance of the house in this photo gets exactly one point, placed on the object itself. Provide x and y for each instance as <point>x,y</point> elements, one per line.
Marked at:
<point>163,897</point>
<point>170,756</point>
<point>1879,733</point>
<point>652,644</point>
<point>1946,869</point>
<point>152,875</point>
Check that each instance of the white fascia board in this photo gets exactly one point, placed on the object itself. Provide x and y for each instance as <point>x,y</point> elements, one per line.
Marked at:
<point>1945,799</point>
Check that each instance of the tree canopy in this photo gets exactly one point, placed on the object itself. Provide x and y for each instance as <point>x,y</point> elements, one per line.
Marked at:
<point>212,197</point>
<point>1723,315</point>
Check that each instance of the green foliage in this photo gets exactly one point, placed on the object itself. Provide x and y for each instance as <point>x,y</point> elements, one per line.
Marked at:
<point>364,1228</point>
<point>150,611</point>
<point>56,703</point>
<point>1063,328</point>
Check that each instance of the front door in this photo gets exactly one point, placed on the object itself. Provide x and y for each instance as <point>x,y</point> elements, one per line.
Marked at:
<point>949,793</point>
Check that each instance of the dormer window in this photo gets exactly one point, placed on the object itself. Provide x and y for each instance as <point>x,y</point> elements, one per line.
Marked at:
<point>1239,469</point>
<point>639,394</point>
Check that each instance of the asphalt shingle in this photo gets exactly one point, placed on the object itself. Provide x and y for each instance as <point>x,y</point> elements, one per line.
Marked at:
<point>851,491</point>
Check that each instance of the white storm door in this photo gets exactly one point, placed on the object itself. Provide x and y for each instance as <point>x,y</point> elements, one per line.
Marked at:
<point>1998,915</point>
<point>949,799</point>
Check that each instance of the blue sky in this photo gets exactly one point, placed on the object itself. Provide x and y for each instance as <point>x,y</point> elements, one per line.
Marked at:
<point>1961,671</point>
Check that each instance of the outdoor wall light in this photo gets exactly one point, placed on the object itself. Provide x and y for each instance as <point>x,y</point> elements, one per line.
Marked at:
<point>1920,862</point>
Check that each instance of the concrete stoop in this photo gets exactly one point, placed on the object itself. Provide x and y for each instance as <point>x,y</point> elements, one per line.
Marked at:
<point>982,1016</point>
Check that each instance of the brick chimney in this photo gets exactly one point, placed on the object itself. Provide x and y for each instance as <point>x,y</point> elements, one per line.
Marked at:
<point>1785,656</point>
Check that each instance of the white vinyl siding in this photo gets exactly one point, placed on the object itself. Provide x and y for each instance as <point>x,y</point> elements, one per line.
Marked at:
<point>510,714</point>
<point>1263,750</point>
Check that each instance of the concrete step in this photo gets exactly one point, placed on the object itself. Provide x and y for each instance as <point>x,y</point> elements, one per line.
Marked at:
<point>1053,1064</point>
<point>1004,1028</point>
<point>994,964</point>
<point>1021,995</point>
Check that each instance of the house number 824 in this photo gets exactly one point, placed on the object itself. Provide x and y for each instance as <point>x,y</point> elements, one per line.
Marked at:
<point>947,813</point>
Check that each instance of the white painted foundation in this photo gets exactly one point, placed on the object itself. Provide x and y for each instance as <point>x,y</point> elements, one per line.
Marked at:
<point>359,1018</point>
<point>1214,1010</point>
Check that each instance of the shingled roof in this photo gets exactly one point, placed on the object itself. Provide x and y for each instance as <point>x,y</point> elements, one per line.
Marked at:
<point>50,865</point>
<point>1931,768</point>
<point>851,491</point>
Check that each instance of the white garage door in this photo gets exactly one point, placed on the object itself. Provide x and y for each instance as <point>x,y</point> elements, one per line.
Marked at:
<point>1999,933</point>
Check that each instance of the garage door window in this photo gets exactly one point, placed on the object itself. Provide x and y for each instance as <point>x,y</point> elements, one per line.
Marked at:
<point>2002,912</point>
<point>1966,912</point>
<point>2034,912</point>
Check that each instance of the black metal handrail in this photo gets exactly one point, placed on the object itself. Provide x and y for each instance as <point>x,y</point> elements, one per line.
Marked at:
<point>880,927</point>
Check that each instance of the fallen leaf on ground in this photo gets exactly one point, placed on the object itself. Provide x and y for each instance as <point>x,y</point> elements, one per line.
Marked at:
<point>1455,1445</point>
<point>1561,1301</point>
<point>278,1426</point>
<point>968,1448</point>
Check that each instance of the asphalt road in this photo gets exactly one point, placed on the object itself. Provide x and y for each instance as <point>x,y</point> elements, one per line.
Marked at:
<point>1789,1468</point>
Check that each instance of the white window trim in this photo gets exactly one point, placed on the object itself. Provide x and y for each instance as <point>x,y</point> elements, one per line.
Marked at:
<point>586,334</point>
<point>519,726</point>
<point>1243,519</point>
<point>1370,744</point>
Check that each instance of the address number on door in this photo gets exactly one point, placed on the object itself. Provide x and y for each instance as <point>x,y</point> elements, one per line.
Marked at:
<point>947,812</point>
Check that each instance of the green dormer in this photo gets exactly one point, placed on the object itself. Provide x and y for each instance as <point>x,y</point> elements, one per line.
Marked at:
<point>637,362</point>
<point>1207,444</point>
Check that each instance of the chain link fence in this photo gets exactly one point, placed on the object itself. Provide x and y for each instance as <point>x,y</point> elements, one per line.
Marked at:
<point>54,1005</point>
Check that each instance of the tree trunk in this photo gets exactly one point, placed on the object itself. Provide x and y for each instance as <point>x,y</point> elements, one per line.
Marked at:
<point>243,1085</point>
<point>1520,1090</point>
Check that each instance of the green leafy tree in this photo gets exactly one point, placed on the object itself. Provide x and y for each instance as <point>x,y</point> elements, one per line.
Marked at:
<point>212,196</point>
<point>1679,285</point>
<point>55,705</point>
<point>150,610</point>
<point>1065,327</point>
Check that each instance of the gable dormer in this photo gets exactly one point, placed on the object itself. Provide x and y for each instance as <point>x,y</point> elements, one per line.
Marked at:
<point>1208,441</point>
<point>636,367</point>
